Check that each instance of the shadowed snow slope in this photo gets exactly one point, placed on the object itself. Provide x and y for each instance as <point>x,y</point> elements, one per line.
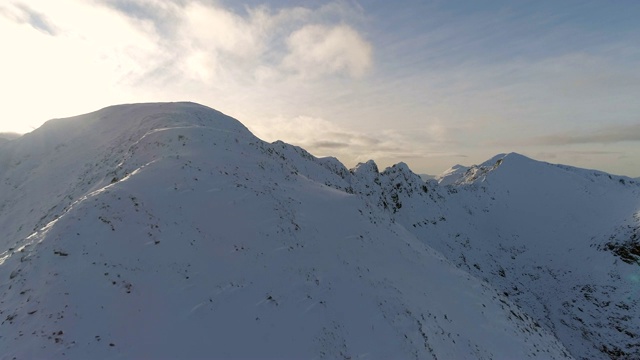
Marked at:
<point>170,231</point>
<point>563,243</point>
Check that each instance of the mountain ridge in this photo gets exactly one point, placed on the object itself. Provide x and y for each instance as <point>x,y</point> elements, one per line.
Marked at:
<point>179,185</point>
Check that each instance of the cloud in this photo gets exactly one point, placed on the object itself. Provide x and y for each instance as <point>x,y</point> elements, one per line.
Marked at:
<point>209,43</point>
<point>21,13</point>
<point>213,37</point>
<point>553,155</point>
<point>324,138</point>
<point>317,50</point>
<point>198,43</point>
<point>327,144</point>
<point>110,51</point>
<point>88,64</point>
<point>606,135</point>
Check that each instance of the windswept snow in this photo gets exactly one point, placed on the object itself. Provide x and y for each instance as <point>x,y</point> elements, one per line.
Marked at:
<point>451,175</point>
<point>170,231</point>
<point>547,236</point>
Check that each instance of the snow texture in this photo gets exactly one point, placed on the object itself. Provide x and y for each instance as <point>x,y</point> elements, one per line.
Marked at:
<point>169,231</point>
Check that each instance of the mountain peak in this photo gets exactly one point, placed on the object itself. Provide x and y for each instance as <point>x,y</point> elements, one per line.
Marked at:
<point>185,229</point>
<point>366,169</point>
<point>128,118</point>
<point>401,167</point>
<point>459,174</point>
<point>179,222</point>
<point>118,125</point>
<point>451,175</point>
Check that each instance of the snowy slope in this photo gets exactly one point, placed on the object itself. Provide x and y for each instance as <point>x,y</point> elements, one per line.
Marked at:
<point>7,136</point>
<point>562,243</point>
<point>451,175</point>
<point>170,231</point>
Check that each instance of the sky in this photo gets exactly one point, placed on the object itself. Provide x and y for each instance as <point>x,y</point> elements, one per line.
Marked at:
<point>429,83</point>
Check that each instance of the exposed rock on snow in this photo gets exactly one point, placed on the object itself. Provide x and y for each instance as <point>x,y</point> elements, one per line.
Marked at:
<point>170,231</point>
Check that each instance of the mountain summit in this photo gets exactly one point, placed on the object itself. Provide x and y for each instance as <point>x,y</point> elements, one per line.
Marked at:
<point>170,231</point>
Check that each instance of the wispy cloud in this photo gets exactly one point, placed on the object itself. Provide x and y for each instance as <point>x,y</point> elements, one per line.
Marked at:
<point>22,13</point>
<point>328,144</point>
<point>324,138</point>
<point>560,154</point>
<point>205,42</point>
<point>208,42</point>
<point>605,135</point>
<point>317,50</point>
<point>111,51</point>
<point>428,82</point>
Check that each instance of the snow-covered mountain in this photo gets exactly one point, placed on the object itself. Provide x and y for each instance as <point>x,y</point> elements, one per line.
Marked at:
<point>170,231</point>
<point>451,175</point>
<point>561,242</point>
<point>5,137</point>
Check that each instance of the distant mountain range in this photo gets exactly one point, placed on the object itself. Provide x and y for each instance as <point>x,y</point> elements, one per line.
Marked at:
<point>170,231</point>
